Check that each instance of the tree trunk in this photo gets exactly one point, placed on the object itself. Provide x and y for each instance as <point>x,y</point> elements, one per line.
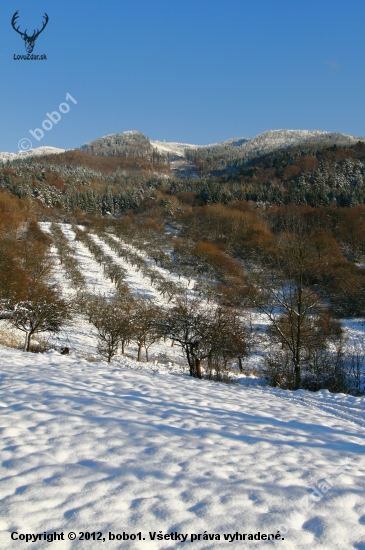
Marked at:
<point>28,336</point>
<point>240,364</point>
<point>198,368</point>
<point>297,381</point>
<point>191,362</point>
<point>122,347</point>
<point>139,358</point>
<point>146,354</point>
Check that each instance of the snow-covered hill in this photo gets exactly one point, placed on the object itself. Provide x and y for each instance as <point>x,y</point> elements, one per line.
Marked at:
<point>39,151</point>
<point>278,139</point>
<point>174,148</point>
<point>182,156</point>
<point>88,447</point>
<point>234,151</point>
<point>262,143</point>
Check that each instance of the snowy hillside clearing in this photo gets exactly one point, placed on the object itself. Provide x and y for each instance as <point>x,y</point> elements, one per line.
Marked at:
<point>80,336</point>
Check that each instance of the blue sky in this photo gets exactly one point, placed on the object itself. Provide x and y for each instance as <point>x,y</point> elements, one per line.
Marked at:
<point>197,71</point>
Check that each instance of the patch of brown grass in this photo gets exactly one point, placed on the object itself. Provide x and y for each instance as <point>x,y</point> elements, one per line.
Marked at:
<point>10,339</point>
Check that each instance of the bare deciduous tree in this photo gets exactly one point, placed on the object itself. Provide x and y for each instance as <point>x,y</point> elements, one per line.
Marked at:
<point>204,332</point>
<point>144,322</point>
<point>43,311</point>
<point>112,319</point>
<point>288,297</point>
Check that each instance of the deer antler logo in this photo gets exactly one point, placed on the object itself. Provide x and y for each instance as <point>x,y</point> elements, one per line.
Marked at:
<point>28,40</point>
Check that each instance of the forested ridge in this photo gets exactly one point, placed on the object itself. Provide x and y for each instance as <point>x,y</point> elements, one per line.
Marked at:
<point>331,176</point>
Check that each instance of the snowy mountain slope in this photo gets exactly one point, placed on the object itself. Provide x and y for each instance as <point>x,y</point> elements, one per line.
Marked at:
<point>174,148</point>
<point>218,156</point>
<point>88,447</point>
<point>277,139</point>
<point>181,155</point>
<point>39,151</point>
<point>233,153</point>
<point>262,143</point>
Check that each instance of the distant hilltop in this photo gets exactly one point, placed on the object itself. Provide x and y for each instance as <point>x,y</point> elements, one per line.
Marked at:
<point>39,151</point>
<point>185,158</point>
<point>136,142</point>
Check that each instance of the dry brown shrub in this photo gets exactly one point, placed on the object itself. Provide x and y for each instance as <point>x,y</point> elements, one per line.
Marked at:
<point>10,339</point>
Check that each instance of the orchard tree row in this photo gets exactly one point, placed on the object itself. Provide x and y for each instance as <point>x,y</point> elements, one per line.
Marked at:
<point>294,265</point>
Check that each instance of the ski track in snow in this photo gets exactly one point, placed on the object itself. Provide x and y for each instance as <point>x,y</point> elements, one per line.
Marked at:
<point>341,405</point>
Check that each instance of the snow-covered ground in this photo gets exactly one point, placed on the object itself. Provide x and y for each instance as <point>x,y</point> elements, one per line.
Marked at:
<point>91,447</point>
<point>139,284</point>
<point>139,447</point>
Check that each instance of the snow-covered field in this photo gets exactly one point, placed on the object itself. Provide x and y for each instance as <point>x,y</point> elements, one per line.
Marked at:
<point>135,447</point>
<point>89,447</point>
